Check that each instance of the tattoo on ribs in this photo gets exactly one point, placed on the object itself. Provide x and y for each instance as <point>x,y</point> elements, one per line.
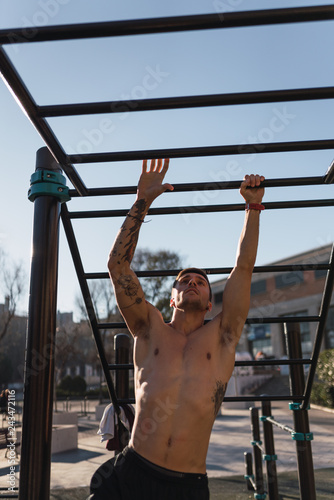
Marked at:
<point>218,395</point>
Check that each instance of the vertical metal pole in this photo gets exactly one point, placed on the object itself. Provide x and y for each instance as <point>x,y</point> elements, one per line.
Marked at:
<point>255,426</point>
<point>122,350</point>
<point>270,452</point>
<point>39,364</point>
<point>301,422</point>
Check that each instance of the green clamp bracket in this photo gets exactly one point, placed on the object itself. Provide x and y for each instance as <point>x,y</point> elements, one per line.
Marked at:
<point>249,476</point>
<point>256,443</point>
<point>260,496</point>
<point>48,183</point>
<point>300,436</point>
<point>269,457</point>
<point>297,406</point>
<point>264,418</point>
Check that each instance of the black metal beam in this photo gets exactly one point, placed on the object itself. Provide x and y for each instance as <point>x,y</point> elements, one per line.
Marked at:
<point>217,20</point>
<point>249,321</point>
<point>225,150</point>
<point>206,186</point>
<point>28,104</point>
<point>88,301</point>
<point>324,308</point>
<point>266,362</point>
<point>219,270</point>
<point>203,209</point>
<point>181,102</point>
<point>35,465</point>
<point>329,177</point>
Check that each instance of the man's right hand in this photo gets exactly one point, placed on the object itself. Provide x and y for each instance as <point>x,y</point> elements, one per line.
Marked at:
<point>150,183</point>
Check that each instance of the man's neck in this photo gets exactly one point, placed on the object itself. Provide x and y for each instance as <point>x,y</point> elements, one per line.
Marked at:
<point>186,322</point>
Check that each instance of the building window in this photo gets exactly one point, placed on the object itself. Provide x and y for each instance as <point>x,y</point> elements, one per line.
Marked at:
<point>259,337</point>
<point>289,279</point>
<point>304,333</point>
<point>258,287</point>
<point>320,273</point>
<point>329,331</point>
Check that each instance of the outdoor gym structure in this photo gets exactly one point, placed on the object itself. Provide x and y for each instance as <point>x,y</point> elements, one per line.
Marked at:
<point>50,195</point>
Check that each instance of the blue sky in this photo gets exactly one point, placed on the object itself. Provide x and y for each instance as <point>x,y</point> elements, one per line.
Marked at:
<point>220,61</point>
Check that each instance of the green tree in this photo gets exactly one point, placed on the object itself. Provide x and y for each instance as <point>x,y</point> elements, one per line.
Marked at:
<point>157,289</point>
<point>325,367</point>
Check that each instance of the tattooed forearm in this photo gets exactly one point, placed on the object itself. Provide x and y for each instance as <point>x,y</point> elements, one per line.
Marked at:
<point>127,238</point>
<point>218,395</point>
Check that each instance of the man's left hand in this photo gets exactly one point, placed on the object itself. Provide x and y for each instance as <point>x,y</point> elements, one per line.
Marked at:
<point>254,195</point>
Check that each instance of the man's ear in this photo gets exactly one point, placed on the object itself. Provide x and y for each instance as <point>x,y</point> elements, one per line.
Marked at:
<point>209,306</point>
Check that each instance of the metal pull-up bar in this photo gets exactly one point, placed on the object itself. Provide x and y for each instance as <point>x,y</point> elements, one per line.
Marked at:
<point>218,20</point>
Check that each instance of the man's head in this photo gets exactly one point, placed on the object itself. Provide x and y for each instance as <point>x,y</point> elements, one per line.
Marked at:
<point>192,278</point>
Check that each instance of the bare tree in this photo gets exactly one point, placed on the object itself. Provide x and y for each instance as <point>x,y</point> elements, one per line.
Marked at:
<point>12,279</point>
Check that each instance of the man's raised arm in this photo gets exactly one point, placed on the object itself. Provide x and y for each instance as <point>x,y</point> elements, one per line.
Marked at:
<point>236,296</point>
<point>129,294</point>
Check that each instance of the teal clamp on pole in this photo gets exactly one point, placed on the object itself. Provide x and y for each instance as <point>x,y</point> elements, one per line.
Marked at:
<point>297,406</point>
<point>300,436</point>
<point>269,457</point>
<point>48,183</point>
<point>48,179</point>
<point>264,418</point>
<point>260,496</point>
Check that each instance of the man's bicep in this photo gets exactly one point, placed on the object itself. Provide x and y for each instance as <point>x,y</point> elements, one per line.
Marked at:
<point>130,298</point>
<point>236,300</point>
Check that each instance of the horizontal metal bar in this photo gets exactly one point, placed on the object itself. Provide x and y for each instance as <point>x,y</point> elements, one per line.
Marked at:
<point>167,24</point>
<point>266,362</point>
<point>181,102</point>
<point>206,186</point>
<point>238,399</point>
<point>23,96</point>
<point>219,270</point>
<point>234,149</point>
<point>249,321</point>
<point>275,205</point>
<point>283,319</point>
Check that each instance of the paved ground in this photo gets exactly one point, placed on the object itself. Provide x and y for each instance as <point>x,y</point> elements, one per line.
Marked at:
<point>71,471</point>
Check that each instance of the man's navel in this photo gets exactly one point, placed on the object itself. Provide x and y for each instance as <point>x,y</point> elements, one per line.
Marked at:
<point>208,355</point>
<point>156,351</point>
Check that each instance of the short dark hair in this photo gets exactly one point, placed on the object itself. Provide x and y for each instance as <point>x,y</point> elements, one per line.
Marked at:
<point>194,270</point>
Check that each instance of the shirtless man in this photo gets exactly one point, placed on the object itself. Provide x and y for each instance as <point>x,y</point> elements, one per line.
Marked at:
<point>181,368</point>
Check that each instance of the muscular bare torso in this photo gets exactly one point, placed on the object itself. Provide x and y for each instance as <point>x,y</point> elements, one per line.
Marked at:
<point>180,382</point>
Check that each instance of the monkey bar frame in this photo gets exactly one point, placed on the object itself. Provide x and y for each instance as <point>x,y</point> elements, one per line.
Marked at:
<point>33,445</point>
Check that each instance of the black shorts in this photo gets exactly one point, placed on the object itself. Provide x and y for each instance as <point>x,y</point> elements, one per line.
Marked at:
<point>128,476</point>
